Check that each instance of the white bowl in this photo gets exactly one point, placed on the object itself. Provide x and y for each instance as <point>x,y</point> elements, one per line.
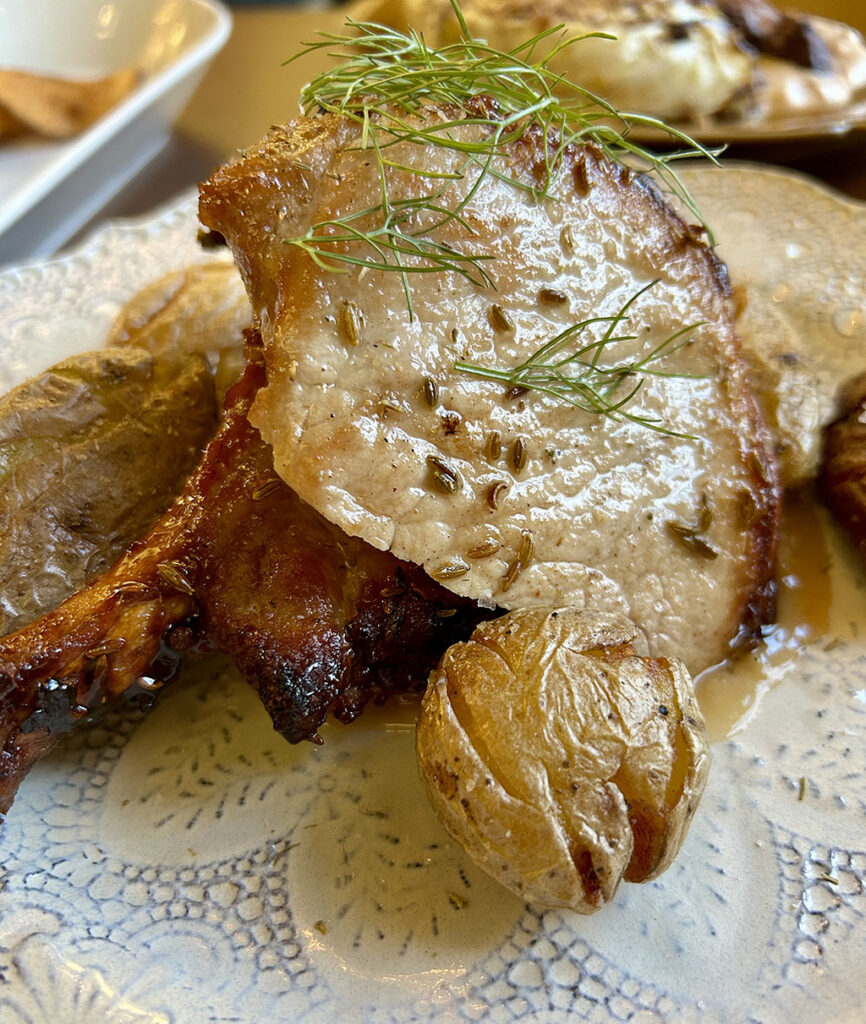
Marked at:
<point>49,189</point>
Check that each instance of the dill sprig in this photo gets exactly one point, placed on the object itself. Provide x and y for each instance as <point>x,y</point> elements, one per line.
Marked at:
<point>578,377</point>
<point>384,80</point>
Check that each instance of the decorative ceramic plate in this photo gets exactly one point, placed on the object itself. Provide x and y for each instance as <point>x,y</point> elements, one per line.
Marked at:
<point>190,867</point>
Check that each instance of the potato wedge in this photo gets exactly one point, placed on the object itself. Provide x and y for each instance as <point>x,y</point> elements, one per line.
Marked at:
<point>61,107</point>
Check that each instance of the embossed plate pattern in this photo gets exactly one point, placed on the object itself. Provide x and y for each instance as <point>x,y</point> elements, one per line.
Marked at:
<point>188,866</point>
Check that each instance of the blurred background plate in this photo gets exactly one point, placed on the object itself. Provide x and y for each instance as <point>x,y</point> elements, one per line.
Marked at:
<point>48,188</point>
<point>798,134</point>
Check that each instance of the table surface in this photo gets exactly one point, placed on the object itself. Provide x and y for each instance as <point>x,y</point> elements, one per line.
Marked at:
<point>248,88</point>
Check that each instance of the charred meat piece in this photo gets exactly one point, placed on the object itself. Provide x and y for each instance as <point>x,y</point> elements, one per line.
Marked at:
<point>316,621</point>
<point>843,473</point>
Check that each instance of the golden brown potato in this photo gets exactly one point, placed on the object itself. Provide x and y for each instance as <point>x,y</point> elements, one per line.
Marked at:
<point>91,452</point>
<point>561,760</point>
<point>10,126</point>
<point>202,309</point>
<point>60,107</point>
<point>785,378</point>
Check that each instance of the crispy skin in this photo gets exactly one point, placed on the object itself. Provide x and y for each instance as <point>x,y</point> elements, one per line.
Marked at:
<point>316,621</point>
<point>843,473</point>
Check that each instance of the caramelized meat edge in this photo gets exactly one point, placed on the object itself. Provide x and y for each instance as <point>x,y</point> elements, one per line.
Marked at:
<point>843,474</point>
<point>317,622</point>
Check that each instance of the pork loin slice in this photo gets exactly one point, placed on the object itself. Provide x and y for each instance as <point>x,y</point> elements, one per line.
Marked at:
<point>371,423</point>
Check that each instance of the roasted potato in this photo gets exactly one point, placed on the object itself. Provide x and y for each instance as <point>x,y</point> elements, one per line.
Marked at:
<point>561,760</point>
<point>202,309</point>
<point>58,107</point>
<point>785,379</point>
<point>91,453</point>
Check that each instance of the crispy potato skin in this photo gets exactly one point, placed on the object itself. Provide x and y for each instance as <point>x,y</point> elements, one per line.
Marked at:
<point>92,452</point>
<point>318,623</point>
<point>201,309</point>
<point>561,760</point>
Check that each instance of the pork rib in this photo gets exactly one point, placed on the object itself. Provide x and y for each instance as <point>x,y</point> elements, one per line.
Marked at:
<point>316,622</point>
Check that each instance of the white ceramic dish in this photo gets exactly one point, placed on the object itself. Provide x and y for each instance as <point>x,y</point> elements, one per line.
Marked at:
<point>189,867</point>
<point>49,189</point>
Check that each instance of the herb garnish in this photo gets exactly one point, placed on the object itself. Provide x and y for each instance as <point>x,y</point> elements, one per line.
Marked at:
<point>384,80</point>
<point>578,377</point>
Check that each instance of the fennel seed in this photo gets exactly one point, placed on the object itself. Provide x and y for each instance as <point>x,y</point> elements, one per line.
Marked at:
<point>499,320</point>
<point>452,570</point>
<point>173,574</point>
<point>266,487</point>
<point>580,176</point>
<point>519,454</point>
<point>525,553</point>
<point>444,476</point>
<point>351,320</point>
<point>430,391</point>
<point>485,549</point>
<point>133,588</point>
<point>493,446</point>
<point>110,645</point>
<point>495,492</point>
<point>566,240</point>
<point>689,538</point>
<point>552,296</point>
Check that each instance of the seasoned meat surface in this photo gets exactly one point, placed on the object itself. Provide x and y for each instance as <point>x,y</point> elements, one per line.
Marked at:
<point>675,527</point>
<point>317,621</point>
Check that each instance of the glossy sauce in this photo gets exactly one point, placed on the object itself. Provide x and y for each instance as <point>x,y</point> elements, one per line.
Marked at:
<point>815,568</point>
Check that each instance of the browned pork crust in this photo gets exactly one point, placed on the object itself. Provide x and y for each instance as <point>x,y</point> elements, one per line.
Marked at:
<point>843,472</point>
<point>316,621</point>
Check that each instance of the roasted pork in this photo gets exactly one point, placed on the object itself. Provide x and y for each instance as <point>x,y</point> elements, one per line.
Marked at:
<point>509,496</point>
<point>317,622</point>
